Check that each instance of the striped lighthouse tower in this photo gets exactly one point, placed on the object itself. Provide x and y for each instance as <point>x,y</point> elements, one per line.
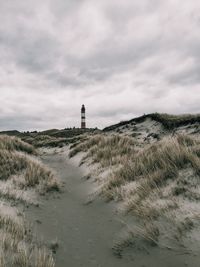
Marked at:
<point>83,122</point>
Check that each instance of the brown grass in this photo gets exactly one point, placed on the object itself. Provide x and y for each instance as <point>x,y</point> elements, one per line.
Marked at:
<point>169,121</point>
<point>20,173</point>
<point>15,144</point>
<point>47,140</point>
<point>33,172</point>
<point>154,182</point>
<point>106,150</point>
<point>158,163</point>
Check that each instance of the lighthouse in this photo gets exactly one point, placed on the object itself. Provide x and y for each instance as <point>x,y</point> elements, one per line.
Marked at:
<point>83,122</point>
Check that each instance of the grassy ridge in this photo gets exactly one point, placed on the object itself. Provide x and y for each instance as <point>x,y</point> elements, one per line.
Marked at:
<point>156,182</point>
<point>168,121</point>
<point>106,150</point>
<point>13,143</point>
<point>22,177</point>
<point>50,141</point>
<point>31,172</point>
<point>52,137</point>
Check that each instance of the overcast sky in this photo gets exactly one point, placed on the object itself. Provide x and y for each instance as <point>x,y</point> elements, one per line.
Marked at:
<point>121,58</point>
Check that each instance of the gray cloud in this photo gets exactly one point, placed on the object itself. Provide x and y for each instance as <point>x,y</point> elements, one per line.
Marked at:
<point>121,59</point>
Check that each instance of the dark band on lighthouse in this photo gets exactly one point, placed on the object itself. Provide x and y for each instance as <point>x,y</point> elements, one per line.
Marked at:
<point>83,119</point>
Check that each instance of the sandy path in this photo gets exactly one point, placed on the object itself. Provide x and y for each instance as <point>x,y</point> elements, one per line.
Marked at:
<point>85,233</point>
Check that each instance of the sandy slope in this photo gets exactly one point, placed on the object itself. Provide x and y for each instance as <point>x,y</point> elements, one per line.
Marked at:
<point>86,233</point>
<point>149,130</point>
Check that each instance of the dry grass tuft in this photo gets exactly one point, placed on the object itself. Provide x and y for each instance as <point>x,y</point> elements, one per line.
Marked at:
<point>106,150</point>
<point>43,258</point>
<point>154,165</point>
<point>33,173</point>
<point>15,144</point>
<point>46,141</point>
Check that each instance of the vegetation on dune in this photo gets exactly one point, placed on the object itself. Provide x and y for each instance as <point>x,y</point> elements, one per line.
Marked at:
<point>168,121</point>
<point>173,121</point>
<point>21,176</point>
<point>31,172</point>
<point>51,141</point>
<point>166,157</point>
<point>15,144</point>
<point>46,141</point>
<point>49,138</point>
<point>155,182</point>
<point>106,150</point>
<point>66,133</point>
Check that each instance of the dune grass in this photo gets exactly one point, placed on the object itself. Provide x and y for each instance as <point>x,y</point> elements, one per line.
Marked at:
<point>21,177</point>
<point>32,173</point>
<point>159,162</point>
<point>106,150</point>
<point>155,182</point>
<point>17,245</point>
<point>15,144</point>
<point>169,121</point>
<point>44,140</point>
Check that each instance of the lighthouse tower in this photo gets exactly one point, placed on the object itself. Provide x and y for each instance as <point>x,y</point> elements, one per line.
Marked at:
<point>83,123</point>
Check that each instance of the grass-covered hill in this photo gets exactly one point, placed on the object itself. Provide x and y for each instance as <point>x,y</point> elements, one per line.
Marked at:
<point>159,183</point>
<point>22,179</point>
<point>52,137</point>
<point>153,172</point>
<point>153,127</point>
<point>168,121</point>
<point>150,165</point>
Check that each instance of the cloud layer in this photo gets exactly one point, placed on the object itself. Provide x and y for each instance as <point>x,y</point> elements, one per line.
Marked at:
<point>120,58</point>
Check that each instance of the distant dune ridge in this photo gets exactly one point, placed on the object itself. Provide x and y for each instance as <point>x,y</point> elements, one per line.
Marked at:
<point>52,137</point>
<point>168,121</point>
